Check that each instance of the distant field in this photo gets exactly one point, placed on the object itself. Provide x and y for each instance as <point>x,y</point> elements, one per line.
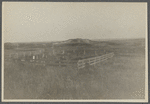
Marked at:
<point>121,77</point>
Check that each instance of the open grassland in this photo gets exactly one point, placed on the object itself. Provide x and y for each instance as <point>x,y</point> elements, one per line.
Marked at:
<point>121,77</point>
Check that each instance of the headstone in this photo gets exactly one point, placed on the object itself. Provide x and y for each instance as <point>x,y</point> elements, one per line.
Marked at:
<point>53,52</point>
<point>63,52</point>
<point>33,57</point>
<point>43,56</point>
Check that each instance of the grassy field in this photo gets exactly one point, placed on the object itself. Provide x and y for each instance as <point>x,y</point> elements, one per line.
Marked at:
<point>121,77</point>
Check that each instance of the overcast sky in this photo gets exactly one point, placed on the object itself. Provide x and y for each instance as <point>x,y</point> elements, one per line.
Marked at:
<point>49,21</point>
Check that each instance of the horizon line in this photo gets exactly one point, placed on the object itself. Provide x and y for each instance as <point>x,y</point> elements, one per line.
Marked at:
<point>76,38</point>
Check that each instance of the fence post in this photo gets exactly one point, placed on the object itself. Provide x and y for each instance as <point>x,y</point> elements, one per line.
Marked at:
<point>24,54</point>
<point>94,62</point>
<point>17,55</point>
<point>10,55</point>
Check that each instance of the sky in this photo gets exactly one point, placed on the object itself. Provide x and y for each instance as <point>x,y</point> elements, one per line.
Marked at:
<point>56,21</point>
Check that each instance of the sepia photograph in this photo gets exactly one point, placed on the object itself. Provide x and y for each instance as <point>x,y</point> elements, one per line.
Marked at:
<point>74,52</point>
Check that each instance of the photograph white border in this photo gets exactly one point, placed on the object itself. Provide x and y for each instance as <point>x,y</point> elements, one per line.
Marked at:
<point>88,100</point>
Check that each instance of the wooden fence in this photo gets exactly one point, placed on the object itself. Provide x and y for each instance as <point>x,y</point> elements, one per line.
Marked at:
<point>94,60</point>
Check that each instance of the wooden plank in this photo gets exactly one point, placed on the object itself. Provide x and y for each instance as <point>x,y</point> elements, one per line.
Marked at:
<point>94,60</point>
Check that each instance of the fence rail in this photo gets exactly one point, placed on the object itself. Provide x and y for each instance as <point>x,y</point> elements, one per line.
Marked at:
<point>94,60</point>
